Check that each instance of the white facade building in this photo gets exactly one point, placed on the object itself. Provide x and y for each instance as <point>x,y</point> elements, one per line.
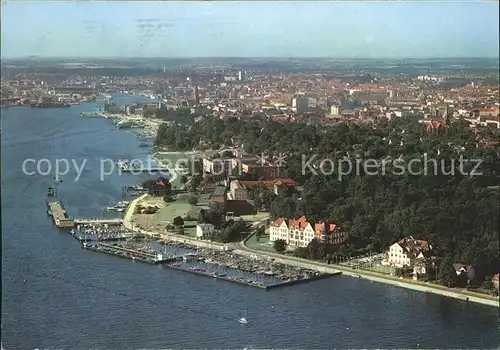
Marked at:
<point>204,230</point>
<point>406,252</point>
<point>299,233</point>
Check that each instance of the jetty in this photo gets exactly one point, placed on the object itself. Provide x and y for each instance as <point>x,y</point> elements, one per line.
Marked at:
<point>61,219</point>
<point>131,254</point>
<point>98,221</point>
<point>130,167</point>
<point>59,215</point>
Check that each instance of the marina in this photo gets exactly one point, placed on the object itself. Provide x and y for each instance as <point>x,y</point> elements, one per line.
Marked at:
<point>222,265</point>
<point>203,262</point>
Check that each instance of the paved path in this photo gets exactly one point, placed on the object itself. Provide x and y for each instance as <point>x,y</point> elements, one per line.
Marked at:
<point>376,277</point>
<point>242,249</point>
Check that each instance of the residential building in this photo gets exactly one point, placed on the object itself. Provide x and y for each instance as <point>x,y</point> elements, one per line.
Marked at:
<point>218,198</point>
<point>238,191</point>
<point>276,185</point>
<point>217,166</point>
<point>407,251</point>
<point>261,171</point>
<point>204,230</point>
<point>335,110</point>
<point>300,232</point>
<point>494,280</point>
<point>466,270</point>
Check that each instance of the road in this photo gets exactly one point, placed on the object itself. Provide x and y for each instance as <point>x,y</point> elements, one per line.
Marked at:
<point>242,249</point>
<point>372,276</point>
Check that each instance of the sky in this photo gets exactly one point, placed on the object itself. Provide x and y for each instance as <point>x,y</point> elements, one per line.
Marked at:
<point>250,29</point>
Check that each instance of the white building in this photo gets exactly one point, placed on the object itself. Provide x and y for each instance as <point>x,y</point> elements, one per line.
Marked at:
<point>299,233</point>
<point>407,251</point>
<point>204,230</point>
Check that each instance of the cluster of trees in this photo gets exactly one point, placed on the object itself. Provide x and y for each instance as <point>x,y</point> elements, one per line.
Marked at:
<point>160,187</point>
<point>232,231</point>
<point>455,211</point>
<point>225,231</point>
<point>211,216</point>
<point>182,115</point>
<point>261,195</point>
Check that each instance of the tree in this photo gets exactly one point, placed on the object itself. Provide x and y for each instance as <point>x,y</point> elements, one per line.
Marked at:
<point>193,200</point>
<point>279,245</point>
<point>260,231</point>
<point>203,216</point>
<point>178,221</point>
<point>195,183</point>
<point>447,274</point>
<point>183,179</point>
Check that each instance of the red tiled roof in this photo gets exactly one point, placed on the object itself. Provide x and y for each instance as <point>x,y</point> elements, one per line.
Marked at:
<point>278,222</point>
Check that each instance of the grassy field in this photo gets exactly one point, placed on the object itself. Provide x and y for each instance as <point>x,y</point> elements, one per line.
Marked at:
<point>258,217</point>
<point>262,244</point>
<point>172,210</point>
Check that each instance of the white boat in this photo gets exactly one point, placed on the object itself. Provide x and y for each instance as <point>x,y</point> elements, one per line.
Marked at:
<point>243,320</point>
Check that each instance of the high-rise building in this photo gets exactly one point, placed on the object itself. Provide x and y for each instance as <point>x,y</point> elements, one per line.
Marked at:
<point>241,75</point>
<point>300,104</point>
<point>197,95</point>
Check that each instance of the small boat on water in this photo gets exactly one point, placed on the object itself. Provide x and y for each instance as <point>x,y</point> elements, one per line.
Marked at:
<point>51,191</point>
<point>120,206</point>
<point>243,320</point>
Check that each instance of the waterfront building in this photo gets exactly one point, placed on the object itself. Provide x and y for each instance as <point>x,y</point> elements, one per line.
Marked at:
<point>300,232</point>
<point>494,280</point>
<point>407,251</point>
<point>204,230</point>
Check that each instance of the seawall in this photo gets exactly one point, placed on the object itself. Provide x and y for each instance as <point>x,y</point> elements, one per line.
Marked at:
<point>372,276</point>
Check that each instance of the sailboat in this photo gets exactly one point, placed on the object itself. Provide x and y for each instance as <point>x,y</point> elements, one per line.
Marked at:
<point>243,320</point>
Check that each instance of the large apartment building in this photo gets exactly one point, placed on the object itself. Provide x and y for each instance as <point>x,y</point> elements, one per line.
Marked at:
<point>300,232</point>
<point>407,251</point>
<point>238,189</point>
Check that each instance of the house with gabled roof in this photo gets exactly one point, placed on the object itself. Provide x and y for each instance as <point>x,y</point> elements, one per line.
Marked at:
<point>300,232</point>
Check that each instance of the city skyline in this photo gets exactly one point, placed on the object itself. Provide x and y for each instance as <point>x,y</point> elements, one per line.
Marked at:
<point>250,29</point>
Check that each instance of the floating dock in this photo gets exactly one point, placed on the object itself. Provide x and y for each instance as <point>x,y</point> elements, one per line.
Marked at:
<point>129,253</point>
<point>98,221</point>
<point>250,284</point>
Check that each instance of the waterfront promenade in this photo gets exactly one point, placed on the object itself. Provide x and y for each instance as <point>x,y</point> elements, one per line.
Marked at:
<point>242,249</point>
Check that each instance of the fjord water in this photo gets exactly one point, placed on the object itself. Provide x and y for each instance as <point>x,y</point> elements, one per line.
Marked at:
<point>74,299</point>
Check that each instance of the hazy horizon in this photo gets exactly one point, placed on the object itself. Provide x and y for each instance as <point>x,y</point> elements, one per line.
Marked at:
<point>292,30</point>
<point>255,57</point>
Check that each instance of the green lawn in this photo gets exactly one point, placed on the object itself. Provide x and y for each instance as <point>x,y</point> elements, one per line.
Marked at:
<point>172,210</point>
<point>262,244</point>
<point>258,217</point>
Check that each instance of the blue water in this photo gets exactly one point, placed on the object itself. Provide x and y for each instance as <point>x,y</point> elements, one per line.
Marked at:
<point>74,299</point>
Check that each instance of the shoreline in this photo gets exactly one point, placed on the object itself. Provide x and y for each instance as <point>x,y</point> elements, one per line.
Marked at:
<point>242,249</point>
<point>418,286</point>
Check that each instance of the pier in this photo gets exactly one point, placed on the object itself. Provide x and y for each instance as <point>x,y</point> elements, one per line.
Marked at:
<point>98,221</point>
<point>59,215</point>
<point>130,253</point>
<point>61,219</point>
